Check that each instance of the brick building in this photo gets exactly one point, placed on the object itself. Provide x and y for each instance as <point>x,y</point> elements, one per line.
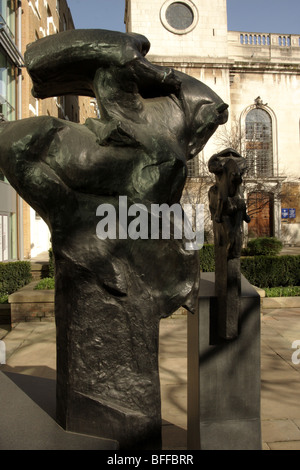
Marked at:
<point>23,234</point>
<point>258,75</point>
<point>11,222</point>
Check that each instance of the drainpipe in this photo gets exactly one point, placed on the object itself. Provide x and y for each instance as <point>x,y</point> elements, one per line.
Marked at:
<point>19,116</point>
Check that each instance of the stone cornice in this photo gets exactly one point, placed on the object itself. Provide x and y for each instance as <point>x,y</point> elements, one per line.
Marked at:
<point>191,61</point>
<point>264,66</point>
<point>253,66</point>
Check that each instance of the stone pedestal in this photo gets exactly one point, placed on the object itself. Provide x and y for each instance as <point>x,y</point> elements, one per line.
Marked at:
<point>223,375</point>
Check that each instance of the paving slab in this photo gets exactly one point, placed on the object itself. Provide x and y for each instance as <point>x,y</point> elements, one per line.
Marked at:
<point>285,445</point>
<point>27,426</point>
<point>280,430</point>
<point>31,351</point>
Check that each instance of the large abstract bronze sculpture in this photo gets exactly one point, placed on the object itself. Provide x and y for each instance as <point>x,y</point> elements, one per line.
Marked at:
<point>110,293</point>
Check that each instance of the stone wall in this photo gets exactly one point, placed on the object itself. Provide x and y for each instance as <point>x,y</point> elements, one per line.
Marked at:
<point>31,305</point>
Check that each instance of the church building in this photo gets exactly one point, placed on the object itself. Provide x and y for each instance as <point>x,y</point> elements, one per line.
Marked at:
<point>258,75</point>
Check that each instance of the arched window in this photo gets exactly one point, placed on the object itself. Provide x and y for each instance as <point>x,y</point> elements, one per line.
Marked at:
<point>259,143</point>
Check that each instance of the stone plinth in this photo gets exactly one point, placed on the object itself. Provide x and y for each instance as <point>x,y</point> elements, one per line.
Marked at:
<point>224,376</point>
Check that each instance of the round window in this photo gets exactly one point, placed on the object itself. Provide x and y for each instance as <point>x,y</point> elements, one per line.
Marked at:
<point>179,17</point>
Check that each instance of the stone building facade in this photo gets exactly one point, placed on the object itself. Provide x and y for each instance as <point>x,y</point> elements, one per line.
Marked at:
<point>258,75</point>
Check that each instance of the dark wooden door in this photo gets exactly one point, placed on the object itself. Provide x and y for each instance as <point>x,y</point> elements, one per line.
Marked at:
<point>260,209</point>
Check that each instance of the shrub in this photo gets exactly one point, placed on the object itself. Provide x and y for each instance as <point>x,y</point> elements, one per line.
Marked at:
<point>282,291</point>
<point>207,258</point>
<point>51,263</point>
<point>3,298</point>
<point>268,246</point>
<point>272,271</point>
<point>13,276</point>
<point>261,271</point>
<point>46,283</point>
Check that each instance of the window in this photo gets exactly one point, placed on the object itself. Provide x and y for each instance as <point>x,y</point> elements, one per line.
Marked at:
<point>259,143</point>
<point>7,93</point>
<point>51,29</point>
<point>7,90</point>
<point>65,24</point>
<point>179,17</point>
<point>13,249</point>
<point>37,8</point>
<point>193,168</point>
<point>8,237</point>
<point>3,237</point>
<point>7,16</point>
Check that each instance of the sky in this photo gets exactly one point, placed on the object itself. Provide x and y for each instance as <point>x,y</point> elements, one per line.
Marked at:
<point>264,16</point>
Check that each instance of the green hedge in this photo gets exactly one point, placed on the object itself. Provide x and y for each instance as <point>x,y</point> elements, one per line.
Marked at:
<point>261,271</point>
<point>272,271</point>
<point>282,291</point>
<point>13,276</point>
<point>48,283</point>
<point>51,263</point>
<point>207,258</point>
<point>268,246</point>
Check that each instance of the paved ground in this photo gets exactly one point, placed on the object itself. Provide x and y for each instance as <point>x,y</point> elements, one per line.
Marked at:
<point>31,350</point>
<point>290,250</point>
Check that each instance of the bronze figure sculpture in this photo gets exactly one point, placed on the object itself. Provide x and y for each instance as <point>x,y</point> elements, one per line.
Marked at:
<point>228,211</point>
<point>110,294</point>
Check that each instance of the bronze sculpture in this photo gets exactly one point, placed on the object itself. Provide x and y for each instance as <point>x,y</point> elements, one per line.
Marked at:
<point>110,294</point>
<point>228,211</point>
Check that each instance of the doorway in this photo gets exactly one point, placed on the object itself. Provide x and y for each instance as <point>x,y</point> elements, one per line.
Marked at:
<point>261,211</point>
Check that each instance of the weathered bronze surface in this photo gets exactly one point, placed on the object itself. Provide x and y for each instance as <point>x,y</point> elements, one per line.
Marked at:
<point>110,294</point>
<point>228,211</point>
